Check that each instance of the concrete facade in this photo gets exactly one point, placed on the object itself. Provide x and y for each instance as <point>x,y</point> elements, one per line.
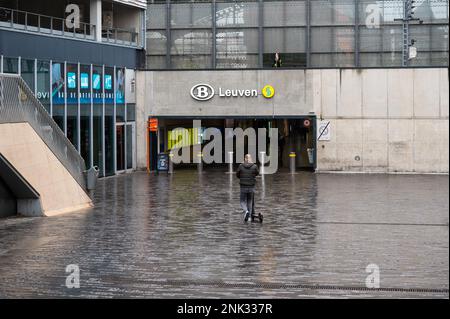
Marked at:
<point>381,120</point>
<point>30,156</point>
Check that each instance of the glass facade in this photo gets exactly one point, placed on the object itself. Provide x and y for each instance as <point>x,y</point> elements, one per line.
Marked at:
<point>88,104</point>
<point>219,34</point>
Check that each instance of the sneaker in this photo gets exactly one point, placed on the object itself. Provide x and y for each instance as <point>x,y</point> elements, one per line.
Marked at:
<point>247,215</point>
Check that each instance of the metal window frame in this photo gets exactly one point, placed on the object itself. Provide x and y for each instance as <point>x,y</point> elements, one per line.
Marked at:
<point>356,25</point>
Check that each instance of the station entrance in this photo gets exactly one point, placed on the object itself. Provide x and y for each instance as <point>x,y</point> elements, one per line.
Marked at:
<point>296,137</point>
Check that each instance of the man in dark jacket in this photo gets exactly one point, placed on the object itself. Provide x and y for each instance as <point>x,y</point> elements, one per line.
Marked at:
<point>247,173</point>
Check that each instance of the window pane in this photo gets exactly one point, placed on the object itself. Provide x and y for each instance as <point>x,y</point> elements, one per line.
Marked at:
<point>332,12</point>
<point>156,42</point>
<point>130,138</point>
<point>98,138</point>
<point>97,84</point>
<point>383,11</point>
<point>109,139</point>
<point>189,15</point>
<point>432,11</point>
<point>287,40</point>
<point>387,39</point>
<point>332,60</point>
<point>43,83</point>
<point>236,14</point>
<point>191,61</point>
<point>439,59</point>
<point>380,59</point>
<point>131,112</point>
<point>439,37</point>
<point>85,113</point>
<point>284,13</point>
<point>72,103</point>
<point>156,62</point>
<point>10,65</point>
<point>120,90</point>
<point>237,48</point>
<point>326,39</point>
<point>58,100</point>
<point>188,42</point>
<point>292,60</point>
<point>27,72</point>
<point>156,16</point>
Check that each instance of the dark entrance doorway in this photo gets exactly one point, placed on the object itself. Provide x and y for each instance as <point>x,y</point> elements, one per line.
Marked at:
<point>8,202</point>
<point>295,135</point>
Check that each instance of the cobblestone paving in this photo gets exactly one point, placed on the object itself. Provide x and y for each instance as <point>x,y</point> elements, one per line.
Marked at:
<point>183,236</point>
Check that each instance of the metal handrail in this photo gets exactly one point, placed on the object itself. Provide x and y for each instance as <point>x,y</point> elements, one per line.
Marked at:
<point>18,104</point>
<point>44,24</point>
<point>133,35</point>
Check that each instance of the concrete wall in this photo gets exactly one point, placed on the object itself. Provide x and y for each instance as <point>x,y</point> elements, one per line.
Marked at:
<point>392,120</point>
<point>35,46</point>
<point>31,157</point>
<point>170,93</point>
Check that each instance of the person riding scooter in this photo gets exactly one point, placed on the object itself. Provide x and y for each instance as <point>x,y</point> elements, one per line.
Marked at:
<point>247,173</point>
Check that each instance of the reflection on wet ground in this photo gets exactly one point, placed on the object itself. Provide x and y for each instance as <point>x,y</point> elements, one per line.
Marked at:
<point>183,236</point>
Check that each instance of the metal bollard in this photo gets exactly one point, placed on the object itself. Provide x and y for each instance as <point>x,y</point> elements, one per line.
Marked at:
<point>200,162</point>
<point>91,178</point>
<point>263,161</point>
<point>292,157</point>
<point>230,161</point>
<point>170,163</point>
<point>310,155</point>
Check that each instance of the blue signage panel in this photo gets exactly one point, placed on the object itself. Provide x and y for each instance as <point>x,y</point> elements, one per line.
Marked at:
<point>109,85</point>
<point>58,83</point>
<point>120,86</point>
<point>163,162</point>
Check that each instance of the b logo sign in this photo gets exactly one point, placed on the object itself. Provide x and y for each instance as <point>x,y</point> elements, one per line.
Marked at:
<point>202,92</point>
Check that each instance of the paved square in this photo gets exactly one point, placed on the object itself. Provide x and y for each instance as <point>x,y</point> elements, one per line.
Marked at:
<point>183,236</point>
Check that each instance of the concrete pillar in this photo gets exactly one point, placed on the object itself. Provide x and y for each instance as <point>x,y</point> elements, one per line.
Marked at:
<point>96,18</point>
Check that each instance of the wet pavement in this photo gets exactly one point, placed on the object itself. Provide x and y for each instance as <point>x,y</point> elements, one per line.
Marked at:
<point>183,236</point>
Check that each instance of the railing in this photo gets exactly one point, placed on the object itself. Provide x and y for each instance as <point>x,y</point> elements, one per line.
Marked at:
<point>120,36</point>
<point>39,23</point>
<point>42,24</point>
<point>18,104</point>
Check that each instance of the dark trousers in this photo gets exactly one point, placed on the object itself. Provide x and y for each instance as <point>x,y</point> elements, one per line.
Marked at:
<point>247,193</point>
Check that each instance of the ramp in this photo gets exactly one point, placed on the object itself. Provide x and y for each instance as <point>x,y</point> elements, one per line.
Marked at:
<point>37,154</point>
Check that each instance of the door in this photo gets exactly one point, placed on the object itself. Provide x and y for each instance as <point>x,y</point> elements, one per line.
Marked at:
<point>120,147</point>
<point>131,145</point>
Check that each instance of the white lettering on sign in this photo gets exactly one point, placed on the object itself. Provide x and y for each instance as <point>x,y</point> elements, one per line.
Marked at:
<point>205,92</point>
<point>237,93</point>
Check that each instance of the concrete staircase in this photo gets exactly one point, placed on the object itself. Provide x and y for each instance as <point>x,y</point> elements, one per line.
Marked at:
<point>39,167</point>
